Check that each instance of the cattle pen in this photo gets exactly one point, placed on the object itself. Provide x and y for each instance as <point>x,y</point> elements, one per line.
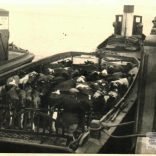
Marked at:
<point>44,137</point>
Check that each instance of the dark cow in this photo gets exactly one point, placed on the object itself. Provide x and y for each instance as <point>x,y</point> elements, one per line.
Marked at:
<point>119,68</point>
<point>93,76</point>
<point>67,122</point>
<point>98,102</point>
<point>73,103</point>
<point>115,68</point>
<point>36,104</point>
<point>22,100</point>
<point>13,102</point>
<point>64,72</point>
<point>5,113</point>
<point>66,63</point>
<point>115,76</point>
<point>103,102</point>
<point>121,84</point>
<point>75,73</point>
<point>65,85</point>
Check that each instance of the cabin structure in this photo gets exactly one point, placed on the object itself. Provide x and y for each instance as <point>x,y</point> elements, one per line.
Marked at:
<point>4,34</point>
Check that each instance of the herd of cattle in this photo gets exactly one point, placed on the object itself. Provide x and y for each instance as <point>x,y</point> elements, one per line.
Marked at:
<point>60,97</point>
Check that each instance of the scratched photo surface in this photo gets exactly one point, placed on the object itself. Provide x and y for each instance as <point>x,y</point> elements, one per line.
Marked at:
<point>95,93</point>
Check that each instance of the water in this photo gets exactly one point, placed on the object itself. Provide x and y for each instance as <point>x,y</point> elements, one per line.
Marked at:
<point>49,29</point>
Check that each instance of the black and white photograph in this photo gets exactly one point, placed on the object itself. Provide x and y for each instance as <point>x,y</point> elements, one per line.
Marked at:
<point>78,77</point>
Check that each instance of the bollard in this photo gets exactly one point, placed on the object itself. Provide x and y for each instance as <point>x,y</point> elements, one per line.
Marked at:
<point>95,129</point>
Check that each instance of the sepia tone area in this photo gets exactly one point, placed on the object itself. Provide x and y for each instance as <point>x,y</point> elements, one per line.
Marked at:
<point>78,77</point>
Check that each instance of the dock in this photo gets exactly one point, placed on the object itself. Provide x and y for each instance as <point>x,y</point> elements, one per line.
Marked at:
<point>147,111</point>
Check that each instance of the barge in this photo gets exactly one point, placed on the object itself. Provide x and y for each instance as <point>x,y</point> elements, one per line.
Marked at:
<point>90,133</point>
<point>73,102</point>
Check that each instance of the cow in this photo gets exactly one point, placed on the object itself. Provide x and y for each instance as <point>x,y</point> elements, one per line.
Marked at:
<point>103,102</point>
<point>14,80</point>
<point>28,79</point>
<point>128,67</point>
<point>64,72</point>
<point>115,76</point>
<point>93,75</point>
<point>75,73</point>
<point>67,122</point>
<point>22,100</point>
<point>104,73</point>
<point>4,112</point>
<point>65,85</point>
<point>115,68</point>
<point>36,104</point>
<point>98,102</point>
<point>13,103</point>
<point>72,102</point>
<point>121,84</point>
<point>133,72</point>
<point>66,63</point>
<point>25,99</point>
<point>44,83</point>
<point>10,100</point>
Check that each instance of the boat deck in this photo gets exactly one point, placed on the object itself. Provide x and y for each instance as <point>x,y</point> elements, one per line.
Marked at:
<point>15,59</point>
<point>12,55</point>
<point>35,143</point>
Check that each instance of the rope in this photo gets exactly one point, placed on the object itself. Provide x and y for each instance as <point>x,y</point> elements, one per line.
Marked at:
<point>115,125</point>
<point>124,136</point>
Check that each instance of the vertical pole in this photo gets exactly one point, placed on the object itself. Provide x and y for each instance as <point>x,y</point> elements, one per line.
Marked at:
<point>127,23</point>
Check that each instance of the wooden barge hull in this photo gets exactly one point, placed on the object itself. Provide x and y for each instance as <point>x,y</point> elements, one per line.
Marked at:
<point>88,145</point>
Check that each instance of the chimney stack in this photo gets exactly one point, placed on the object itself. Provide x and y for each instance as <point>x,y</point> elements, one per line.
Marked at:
<point>127,24</point>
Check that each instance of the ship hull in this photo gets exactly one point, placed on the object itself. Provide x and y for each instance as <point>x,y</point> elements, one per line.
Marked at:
<point>90,145</point>
<point>16,59</point>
